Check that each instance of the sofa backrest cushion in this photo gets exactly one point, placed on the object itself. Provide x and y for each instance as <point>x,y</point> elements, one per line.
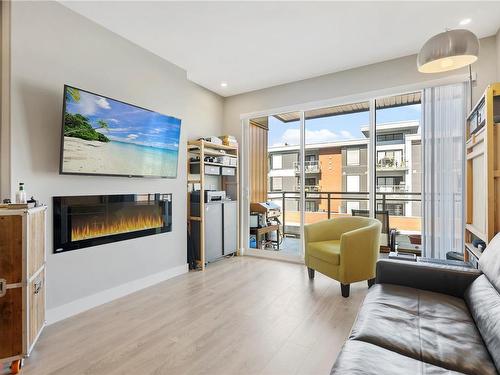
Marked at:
<point>489,262</point>
<point>483,301</point>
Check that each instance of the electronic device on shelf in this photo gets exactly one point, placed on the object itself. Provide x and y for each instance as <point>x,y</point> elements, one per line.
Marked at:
<point>210,196</point>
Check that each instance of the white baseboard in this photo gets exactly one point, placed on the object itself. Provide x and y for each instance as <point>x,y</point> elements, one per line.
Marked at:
<point>86,303</point>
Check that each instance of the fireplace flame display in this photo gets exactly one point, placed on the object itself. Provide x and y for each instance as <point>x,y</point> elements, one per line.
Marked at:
<point>127,224</point>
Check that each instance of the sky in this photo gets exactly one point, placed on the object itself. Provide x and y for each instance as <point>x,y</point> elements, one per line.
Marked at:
<point>336,128</point>
<point>127,123</point>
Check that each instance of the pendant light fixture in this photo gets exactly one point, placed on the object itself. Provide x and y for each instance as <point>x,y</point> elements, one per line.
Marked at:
<point>452,49</point>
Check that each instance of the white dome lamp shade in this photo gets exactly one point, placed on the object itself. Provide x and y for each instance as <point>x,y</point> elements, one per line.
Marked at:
<point>452,49</point>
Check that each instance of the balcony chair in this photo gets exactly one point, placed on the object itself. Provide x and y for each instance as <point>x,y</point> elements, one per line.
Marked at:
<point>383,217</point>
<point>345,249</point>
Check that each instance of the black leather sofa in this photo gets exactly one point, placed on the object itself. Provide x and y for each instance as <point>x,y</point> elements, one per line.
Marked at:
<point>425,318</point>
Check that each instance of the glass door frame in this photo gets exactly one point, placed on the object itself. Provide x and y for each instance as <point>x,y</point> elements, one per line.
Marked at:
<point>371,97</point>
<point>245,194</point>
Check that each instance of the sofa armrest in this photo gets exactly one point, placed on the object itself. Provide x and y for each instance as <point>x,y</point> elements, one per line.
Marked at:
<point>439,278</point>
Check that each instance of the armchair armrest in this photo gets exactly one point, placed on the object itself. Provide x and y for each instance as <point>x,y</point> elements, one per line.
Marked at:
<point>359,251</point>
<point>439,278</point>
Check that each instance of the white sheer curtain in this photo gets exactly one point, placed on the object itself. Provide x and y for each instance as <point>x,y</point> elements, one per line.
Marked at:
<point>443,141</point>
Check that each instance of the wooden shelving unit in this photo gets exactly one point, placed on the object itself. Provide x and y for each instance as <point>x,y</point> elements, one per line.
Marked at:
<point>483,171</point>
<point>202,149</point>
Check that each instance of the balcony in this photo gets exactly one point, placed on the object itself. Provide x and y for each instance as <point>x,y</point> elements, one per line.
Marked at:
<point>391,164</point>
<point>333,204</point>
<point>310,166</point>
<point>308,188</point>
<point>391,189</point>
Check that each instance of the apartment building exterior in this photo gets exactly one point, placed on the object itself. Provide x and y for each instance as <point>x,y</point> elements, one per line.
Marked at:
<point>342,169</point>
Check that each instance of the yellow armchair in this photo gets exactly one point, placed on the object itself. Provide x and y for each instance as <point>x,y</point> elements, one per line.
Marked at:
<point>345,249</point>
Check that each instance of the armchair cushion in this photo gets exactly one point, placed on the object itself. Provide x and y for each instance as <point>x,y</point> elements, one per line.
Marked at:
<point>328,251</point>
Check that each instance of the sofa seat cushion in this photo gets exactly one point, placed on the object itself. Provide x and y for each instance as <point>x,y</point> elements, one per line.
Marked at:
<point>430,327</point>
<point>362,358</point>
<point>328,251</point>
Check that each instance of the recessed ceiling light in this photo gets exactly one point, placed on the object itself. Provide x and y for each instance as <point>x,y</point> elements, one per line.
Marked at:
<point>465,21</point>
<point>223,84</point>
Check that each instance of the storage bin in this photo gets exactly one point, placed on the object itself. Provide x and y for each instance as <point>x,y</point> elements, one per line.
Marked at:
<point>228,171</point>
<point>212,169</point>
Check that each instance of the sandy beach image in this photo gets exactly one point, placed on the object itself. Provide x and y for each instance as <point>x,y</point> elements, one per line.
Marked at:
<point>82,156</point>
<point>104,136</point>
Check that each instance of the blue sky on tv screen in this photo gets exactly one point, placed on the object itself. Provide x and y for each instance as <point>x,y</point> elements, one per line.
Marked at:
<point>125,122</point>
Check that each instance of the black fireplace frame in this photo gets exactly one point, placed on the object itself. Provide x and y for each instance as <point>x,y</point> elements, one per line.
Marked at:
<point>61,247</point>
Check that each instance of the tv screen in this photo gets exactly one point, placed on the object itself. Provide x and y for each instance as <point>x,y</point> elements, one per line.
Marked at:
<point>103,136</point>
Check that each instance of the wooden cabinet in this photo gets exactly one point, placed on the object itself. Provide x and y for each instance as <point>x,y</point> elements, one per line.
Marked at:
<point>482,217</point>
<point>22,280</point>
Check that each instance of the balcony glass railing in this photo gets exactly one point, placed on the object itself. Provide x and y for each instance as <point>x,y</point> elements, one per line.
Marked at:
<point>308,188</point>
<point>391,188</point>
<point>404,211</point>
<point>310,166</point>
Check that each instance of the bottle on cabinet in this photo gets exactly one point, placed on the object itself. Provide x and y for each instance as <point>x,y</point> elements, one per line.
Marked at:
<point>21,194</point>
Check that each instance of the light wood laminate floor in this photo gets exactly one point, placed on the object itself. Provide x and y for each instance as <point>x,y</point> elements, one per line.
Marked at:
<point>242,315</point>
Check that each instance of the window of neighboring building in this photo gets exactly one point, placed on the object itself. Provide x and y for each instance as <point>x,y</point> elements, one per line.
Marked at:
<point>311,206</point>
<point>277,183</point>
<point>390,159</point>
<point>353,156</point>
<point>390,137</point>
<point>395,209</point>
<point>389,180</point>
<point>310,181</point>
<point>277,162</point>
<point>352,183</point>
<point>351,205</point>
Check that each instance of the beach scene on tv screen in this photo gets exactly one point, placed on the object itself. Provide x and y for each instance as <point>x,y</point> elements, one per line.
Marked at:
<point>105,136</point>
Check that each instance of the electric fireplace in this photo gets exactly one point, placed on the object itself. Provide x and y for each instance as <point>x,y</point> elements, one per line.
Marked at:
<point>90,220</point>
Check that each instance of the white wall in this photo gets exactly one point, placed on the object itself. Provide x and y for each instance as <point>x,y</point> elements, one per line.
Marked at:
<point>498,55</point>
<point>375,77</point>
<point>52,46</point>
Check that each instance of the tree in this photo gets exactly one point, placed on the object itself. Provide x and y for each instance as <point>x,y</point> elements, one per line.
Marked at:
<point>72,94</point>
<point>102,124</point>
<point>78,126</point>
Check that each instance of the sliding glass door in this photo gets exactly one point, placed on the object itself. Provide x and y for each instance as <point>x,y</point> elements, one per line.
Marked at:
<point>398,169</point>
<point>336,162</point>
<point>360,158</point>
<point>275,203</point>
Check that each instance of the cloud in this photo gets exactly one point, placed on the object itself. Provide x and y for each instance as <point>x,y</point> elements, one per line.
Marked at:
<point>103,103</point>
<point>88,104</point>
<point>113,120</point>
<point>132,136</point>
<point>121,130</point>
<point>346,134</point>
<point>292,136</point>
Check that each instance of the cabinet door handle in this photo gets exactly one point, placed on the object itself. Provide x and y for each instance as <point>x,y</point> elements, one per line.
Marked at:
<point>3,287</point>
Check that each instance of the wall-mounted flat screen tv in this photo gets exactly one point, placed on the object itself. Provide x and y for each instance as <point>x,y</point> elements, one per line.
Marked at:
<point>103,136</point>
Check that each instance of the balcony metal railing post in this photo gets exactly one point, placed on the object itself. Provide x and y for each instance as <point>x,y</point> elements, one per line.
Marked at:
<point>283,200</point>
<point>328,205</point>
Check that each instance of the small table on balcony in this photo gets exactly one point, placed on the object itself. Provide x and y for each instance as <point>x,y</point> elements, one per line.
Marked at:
<point>259,232</point>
